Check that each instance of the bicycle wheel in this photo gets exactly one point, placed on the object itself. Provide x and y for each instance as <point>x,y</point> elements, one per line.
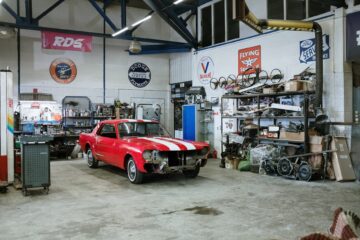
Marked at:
<point>263,76</point>
<point>231,79</point>
<point>223,82</point>
<point>214,83</point>
<point>249,77</point>
<point>276,75</point>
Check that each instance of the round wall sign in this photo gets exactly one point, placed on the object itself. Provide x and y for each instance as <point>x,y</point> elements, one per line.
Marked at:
<point>139,75</point>
<point>63,70</point>
<point>205,70</point>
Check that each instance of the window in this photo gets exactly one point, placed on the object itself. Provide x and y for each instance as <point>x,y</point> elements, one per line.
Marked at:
<point>219,22</point>
<point>275,9</point>
<point>108,130</point>
<point>317,8</point>
<point>206,26</point>
<point>232,25</point>
<point>296,9</point>
<point>138,129</point>
<point>217,25</point>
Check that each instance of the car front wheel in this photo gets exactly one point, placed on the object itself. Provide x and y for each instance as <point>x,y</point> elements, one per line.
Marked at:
<point>192,173</point>
<point>133,173</point>
<point>92,162</point>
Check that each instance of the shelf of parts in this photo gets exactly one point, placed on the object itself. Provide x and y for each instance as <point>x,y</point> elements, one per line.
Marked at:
<point>273,95</point>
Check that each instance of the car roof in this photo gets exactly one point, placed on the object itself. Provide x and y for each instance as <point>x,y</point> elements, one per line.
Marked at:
<point>117,121</point>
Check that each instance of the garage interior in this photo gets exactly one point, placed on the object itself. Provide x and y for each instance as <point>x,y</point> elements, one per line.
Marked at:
<point>186,119</point>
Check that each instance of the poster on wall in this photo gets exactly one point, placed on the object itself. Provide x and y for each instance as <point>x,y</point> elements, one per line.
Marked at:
<point>353,36</point>
<point>63,70</point>
<point>307,49</point>
<point>40,112</point>
<point>64,41</point>
<point>249,58</point>
<point>139,75</point>
<point>205,70</point>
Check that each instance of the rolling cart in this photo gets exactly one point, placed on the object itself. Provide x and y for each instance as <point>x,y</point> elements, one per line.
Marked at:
<point>35,163</point>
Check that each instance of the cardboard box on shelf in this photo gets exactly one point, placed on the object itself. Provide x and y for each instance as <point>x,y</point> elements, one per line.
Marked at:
<point>315,148</point>
<point>316,139</point>
<point>341,160</point>
<point>292,136</point>
<point>292,86</point>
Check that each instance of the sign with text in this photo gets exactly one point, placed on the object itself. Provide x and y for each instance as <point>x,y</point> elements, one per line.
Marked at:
<point>249,58</point>
<point>353,36</point>
<point>139,75</point>
<point>64,41</point>
<point>206,70</point>
<point>307,49</point>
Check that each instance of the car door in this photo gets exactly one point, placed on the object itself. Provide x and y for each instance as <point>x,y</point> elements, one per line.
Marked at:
<point>106,140</point>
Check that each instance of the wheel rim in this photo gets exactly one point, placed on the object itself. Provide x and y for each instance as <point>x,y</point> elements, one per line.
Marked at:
<point>131,170</point>
<point>90,158</point>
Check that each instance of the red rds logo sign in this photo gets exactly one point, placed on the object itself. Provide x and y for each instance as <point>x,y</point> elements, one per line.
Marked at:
<point>249,58</point>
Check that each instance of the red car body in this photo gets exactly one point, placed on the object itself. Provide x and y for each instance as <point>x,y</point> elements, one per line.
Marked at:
<point>170,154</point>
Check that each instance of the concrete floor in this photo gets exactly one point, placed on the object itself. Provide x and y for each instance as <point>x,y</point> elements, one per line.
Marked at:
<point>100,203</point>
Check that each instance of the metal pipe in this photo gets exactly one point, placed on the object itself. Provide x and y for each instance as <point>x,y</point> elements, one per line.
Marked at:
<point>319,65</point>
<point>123,13</point>
<point>18,51</point>
<point>28,8</point>
<point>104,58</point>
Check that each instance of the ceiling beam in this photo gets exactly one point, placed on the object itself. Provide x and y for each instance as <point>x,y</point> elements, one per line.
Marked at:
<point>47,11</point>
<point>167,14</point>
<point>123,37</point>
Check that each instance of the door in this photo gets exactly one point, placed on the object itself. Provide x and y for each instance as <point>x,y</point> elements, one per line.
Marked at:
<point>106,140</point>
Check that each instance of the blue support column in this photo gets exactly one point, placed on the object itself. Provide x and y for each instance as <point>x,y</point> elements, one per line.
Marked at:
<point>123,13</point>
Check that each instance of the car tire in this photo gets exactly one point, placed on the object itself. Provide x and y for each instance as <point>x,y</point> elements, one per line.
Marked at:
<point>133,173</point>
<point>91,160</point>
<point>192,173</point>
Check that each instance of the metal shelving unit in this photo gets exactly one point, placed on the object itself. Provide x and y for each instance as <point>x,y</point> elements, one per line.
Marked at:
<point>258,97</point>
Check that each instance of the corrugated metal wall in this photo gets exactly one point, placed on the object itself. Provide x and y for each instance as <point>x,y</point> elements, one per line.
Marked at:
<point>181,67</point>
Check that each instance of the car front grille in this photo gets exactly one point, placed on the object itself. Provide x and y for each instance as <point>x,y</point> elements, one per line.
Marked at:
<point>176,158</point>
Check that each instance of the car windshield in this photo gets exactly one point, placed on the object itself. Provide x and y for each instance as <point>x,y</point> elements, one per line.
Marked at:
<point>141,129</point>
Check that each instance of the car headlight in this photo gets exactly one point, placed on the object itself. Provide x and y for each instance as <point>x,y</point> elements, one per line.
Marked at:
<point>147,155</point>
<point>204,151</point>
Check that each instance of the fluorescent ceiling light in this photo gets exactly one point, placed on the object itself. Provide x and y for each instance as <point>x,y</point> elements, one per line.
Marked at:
<point>178,1</point>
<point>118,32</point>
<point>141,21</point>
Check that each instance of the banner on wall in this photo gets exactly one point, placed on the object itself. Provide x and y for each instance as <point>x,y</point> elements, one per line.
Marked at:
<point>205,70</point>
<point>139,75</point>
<point>353,36</point>
<point>64,41</point>
<point>249,58</point>
<point>307,49</point>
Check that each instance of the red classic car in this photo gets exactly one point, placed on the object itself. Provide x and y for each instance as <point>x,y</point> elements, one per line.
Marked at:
<point>140,147</point>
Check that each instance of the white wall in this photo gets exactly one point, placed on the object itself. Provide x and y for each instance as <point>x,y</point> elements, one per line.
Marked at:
<point>35,61</point>
<point>281,50</point>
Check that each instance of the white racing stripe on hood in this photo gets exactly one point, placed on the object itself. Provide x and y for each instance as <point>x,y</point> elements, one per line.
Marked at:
<point>170,145</point>
<point>189,146</point>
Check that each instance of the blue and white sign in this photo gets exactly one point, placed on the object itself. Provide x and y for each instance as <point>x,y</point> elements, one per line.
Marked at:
<point>139,75</point>
<point>307,49</point>
<point>353,36</point>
